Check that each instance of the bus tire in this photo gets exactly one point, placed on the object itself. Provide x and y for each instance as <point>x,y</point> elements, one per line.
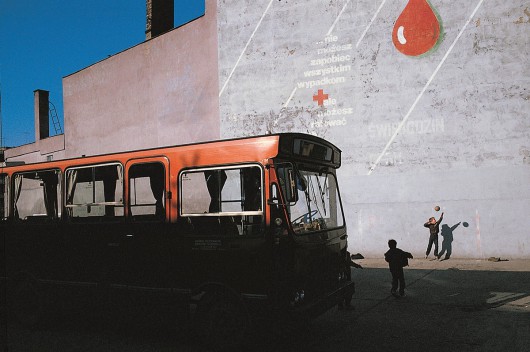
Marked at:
<point>25,304</point>
<point>221,321</point>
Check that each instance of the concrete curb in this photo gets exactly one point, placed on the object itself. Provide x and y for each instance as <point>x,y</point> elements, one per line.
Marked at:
<point>454,264</point>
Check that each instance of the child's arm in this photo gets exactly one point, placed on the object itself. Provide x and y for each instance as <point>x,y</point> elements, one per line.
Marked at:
<point>355,265</point>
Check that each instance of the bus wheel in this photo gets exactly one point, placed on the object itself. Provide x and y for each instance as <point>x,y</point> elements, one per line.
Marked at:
<point>221,321</point>
<point>25,303</point>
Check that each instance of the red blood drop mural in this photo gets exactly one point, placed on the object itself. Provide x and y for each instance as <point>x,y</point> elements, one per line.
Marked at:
<point>417,29</point>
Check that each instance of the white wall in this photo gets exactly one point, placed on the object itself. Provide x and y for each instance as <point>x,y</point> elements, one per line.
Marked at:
<point>449,127</point>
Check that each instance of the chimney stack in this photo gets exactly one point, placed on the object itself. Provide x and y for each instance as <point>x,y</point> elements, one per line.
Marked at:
<point>42,118</point>
<point>160,17</point>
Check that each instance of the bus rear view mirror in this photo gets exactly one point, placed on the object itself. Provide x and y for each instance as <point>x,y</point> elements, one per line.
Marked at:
<point>274,199</point>
<point>275,195</point>
<point>288,184</point>
<point>291,186</point>
<point>287,179</point>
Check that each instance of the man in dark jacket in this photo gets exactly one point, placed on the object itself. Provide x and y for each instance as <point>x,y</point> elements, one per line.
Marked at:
<point>434,229</point>
<point>397,259</point>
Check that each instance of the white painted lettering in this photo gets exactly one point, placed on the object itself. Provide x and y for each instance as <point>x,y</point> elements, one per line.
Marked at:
<point>327,70</point>
<point>329,123</point>
<point>334,112</point>
<point>329,60</point>
<point>330,102</point>
<point>321,82</point>
<point>334,49</point>
<point>427,126</point>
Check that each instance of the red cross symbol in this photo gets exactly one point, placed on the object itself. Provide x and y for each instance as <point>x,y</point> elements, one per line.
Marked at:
<point>320,97</point>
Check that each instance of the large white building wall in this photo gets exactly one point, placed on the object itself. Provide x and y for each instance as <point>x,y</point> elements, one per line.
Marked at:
<point>448,127</point>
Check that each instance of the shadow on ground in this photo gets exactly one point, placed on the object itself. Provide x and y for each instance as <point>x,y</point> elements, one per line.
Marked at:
<point>444,310</point>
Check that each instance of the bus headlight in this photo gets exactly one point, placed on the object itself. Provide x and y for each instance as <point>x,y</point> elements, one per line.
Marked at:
<point>298,298</point>
<point>278,222</point>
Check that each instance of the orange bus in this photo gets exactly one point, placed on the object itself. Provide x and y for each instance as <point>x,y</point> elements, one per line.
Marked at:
<point>228,229</point>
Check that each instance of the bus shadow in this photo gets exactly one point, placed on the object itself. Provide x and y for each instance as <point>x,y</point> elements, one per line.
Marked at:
<point>99,329</point>
<point>448,294</point>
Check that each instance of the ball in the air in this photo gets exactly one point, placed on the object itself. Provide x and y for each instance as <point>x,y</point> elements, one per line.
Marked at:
<point>437,208</point>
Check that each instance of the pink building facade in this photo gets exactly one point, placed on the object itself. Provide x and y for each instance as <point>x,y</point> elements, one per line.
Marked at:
<point>146,96</point>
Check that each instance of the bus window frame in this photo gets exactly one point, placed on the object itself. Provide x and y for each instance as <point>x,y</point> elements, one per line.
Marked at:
<point>223,167</point>
<point>11,193</point>
<point>89,218</point>
<point>333,176</point>
<point>6,194</point>
<point>306,166</point>
<point>164,161</point>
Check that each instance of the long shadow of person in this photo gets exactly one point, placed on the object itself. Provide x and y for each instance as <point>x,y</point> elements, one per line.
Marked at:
<point>447,242</point>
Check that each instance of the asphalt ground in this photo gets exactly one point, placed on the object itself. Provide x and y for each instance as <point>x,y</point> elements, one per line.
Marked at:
<point>451,305</point>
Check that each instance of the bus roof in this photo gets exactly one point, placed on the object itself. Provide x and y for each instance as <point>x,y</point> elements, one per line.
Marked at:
<point>255,147</point>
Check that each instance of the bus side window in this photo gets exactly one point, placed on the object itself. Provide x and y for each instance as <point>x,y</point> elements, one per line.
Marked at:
<point>36,195</point>
<point>3,196</point>
<point>235,190</point>
<point>251,179</point>
<point>146,190</point>
<point>225,200</point>
<point>95,191</point>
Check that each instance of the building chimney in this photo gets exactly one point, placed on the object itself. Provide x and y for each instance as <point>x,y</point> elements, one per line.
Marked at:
<point>160,17</point>
<point>42,118</point>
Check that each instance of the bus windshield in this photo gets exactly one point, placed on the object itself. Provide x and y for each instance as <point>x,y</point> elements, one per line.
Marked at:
<point>316,203</point>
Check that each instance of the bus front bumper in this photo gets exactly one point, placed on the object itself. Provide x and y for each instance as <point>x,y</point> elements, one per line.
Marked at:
<point>323,304</point>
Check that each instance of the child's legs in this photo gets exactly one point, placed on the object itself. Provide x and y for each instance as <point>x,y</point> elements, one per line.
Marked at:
<point>395,279</point>
<point>402,283</point>
<point>429,246</point>
<point>433,239</point>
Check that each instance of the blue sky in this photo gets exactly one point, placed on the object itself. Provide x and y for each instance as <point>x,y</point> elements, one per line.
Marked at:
<point>43,41</point>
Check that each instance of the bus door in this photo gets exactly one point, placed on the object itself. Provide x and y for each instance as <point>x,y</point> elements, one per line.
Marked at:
<point>145,252</point>
<point>221,209</point>
<point>282,195</point>
<point>94,220</point>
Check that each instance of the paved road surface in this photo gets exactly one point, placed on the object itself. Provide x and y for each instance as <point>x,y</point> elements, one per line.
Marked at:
<point>452,305</point>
